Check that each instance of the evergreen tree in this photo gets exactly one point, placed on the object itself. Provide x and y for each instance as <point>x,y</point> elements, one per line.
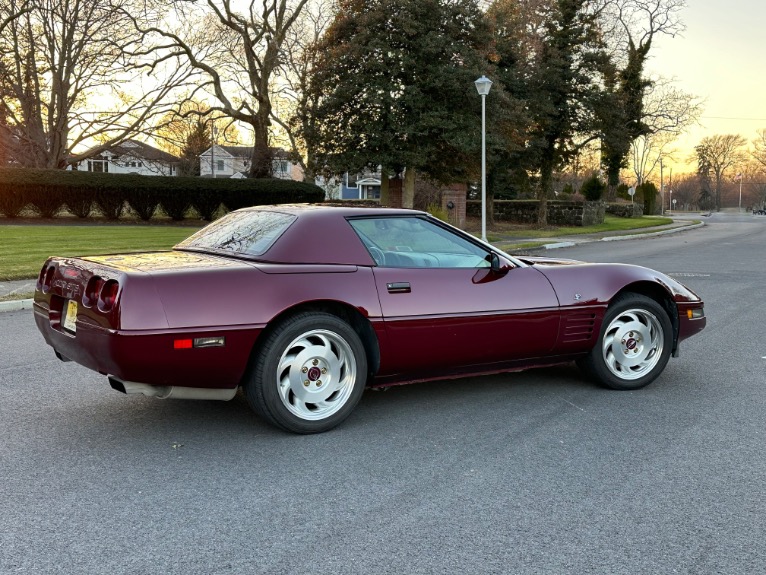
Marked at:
<point>396,84</point>
<point>559,79</point>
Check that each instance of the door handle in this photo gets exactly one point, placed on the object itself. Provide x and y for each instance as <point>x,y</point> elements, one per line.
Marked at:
<point>399,287</point>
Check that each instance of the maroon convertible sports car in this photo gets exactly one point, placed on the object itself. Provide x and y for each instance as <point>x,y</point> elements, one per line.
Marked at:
<point>303,306</point>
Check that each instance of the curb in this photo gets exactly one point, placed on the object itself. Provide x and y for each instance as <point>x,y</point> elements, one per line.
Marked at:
<point>660,233</point>
<point>16,305</point>
<point>557,245</point>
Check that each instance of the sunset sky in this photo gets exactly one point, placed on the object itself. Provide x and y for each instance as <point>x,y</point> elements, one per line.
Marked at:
<point>720,58</point>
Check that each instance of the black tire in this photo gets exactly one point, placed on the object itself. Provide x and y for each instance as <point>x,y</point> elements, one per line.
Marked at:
<point>295,397</point>
<point>634,345</point>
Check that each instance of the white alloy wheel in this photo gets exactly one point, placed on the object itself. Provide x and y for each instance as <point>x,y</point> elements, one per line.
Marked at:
<point>308,373</point>
<point>632,344</point>
<point>316,374</point>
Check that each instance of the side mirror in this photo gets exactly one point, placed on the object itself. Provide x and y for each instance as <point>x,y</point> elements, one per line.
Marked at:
<point>499,264</point>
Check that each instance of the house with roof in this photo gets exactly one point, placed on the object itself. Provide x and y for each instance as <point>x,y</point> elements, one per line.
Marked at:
<point>132,157</point>
<point>234,162</point>
<point>361,186</point>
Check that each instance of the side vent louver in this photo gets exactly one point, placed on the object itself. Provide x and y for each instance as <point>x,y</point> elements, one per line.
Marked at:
<point>579,327</point>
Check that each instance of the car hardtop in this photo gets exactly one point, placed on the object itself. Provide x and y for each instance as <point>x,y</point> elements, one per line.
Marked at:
<point>322,235</point>
<point>322,211</point>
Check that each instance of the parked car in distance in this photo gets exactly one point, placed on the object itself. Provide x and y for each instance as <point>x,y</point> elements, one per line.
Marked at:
<point>304,306</point>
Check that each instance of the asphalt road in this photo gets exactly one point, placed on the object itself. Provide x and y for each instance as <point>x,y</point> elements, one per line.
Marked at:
<point>538,472</point>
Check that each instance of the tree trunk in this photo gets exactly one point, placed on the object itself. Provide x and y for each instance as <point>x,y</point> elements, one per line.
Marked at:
<point>408,189</point>
<point>613,180</point>
<point>384,196</point>
<point>490,207</point>
<point>261,163</point>
<point>546,180</point>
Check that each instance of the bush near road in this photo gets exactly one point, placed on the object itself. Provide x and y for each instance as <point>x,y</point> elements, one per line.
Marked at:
<point>47,192</point>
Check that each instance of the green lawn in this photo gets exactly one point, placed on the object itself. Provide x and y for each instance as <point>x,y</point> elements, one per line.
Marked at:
<point>24,248</point>
<point>611,224</point>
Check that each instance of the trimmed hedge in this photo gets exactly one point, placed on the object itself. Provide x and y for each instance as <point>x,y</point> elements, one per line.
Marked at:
<point>47,191</point>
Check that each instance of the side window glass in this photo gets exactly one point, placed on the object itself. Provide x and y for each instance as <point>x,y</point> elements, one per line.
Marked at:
<point>413,242</point>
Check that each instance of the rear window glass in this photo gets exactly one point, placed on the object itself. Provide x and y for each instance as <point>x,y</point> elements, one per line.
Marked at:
<point>249,233</point>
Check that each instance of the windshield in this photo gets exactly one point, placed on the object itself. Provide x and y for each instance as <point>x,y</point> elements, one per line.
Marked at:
<point>249,233</point>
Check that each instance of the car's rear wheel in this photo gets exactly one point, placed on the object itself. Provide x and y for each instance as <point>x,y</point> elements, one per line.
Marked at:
<point>309,374</point>
<point>634,345</point>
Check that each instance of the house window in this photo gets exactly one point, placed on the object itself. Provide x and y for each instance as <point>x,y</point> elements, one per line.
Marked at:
<point>280,167</point>
<point>100,165</point>
<point>219,165</point>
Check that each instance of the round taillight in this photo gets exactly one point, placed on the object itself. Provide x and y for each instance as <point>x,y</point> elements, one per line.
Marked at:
<point>93,290</point>
<point>108,295</point>
<point>48,279</point>
<point>41,276</point>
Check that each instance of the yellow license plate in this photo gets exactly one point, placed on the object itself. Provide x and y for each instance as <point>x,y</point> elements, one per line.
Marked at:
<point>70,316</point>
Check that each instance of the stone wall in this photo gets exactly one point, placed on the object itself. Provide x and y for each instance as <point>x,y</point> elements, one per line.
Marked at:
<point>625,210</point>
<point>559,213</point>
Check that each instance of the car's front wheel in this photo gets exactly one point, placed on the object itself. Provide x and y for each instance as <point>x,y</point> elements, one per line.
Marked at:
<point>634,345</point>
<point>309,373</point>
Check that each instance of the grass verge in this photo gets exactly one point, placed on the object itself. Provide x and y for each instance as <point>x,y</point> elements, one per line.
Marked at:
<point>17,296</point>
<point>24,248</point>
<point>611,224</point>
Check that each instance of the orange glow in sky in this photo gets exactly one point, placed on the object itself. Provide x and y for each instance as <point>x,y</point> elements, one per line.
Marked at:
<point>721,59</point>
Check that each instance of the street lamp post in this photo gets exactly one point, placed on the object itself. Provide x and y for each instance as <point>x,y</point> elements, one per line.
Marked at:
<point>740,192</point>
<point>483,85</point>
<point>662,191</point>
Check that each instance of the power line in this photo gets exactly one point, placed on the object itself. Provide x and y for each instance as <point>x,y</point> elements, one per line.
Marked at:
<point>731,118</point>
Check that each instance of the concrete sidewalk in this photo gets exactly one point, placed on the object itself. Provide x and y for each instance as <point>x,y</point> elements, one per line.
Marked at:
<point>24,288</point>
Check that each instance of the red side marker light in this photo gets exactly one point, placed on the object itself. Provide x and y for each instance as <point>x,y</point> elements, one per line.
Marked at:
<point>182,344</point>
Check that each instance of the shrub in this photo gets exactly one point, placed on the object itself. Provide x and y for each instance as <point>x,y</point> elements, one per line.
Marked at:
<point>12,201</point>
<point>49,190</point>
<point>593,189</point>
<point>79,202</point>
<point>438,212</point>
<point>175,205</point>
<point>46,200</point>
<point>647,193</point>
<point>142,200</point>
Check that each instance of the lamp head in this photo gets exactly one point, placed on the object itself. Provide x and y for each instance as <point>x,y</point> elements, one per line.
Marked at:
<point>483,85</point>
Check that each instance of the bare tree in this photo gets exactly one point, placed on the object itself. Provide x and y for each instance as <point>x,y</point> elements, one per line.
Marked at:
<point>686,191</point>
<point>238,51</point>
<point>294,103</point>
<point>753,177</point>
<point>759,147</point>
<point>629,28</point>
<point>715,156</point>
<point>668,112</point>
<point>64,70</point>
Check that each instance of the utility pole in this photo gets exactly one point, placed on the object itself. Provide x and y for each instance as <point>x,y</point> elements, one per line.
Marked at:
<point>662,191</point>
